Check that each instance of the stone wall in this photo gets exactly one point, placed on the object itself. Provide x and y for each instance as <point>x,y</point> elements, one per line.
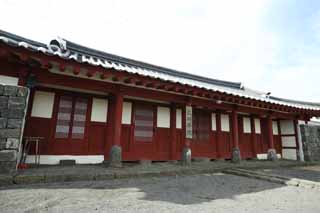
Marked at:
<point>13,102</point>
<point>311,142</point>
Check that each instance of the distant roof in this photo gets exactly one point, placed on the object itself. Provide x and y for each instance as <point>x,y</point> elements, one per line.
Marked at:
<point>72,51</point>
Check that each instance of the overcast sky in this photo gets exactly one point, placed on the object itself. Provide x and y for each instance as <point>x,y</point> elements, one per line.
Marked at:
<point>268,45</point>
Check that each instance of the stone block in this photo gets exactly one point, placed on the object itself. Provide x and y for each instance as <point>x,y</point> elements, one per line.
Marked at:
<point>67,162</point>
<point>10,90</point>
<point>115,157</point>
<point>3,143</point>
<point>1,89</point>
<point>3,123</point>
<point>10,133</point>
<point>272,155</point>
<point>236,156</point>
<point>14,123</point>
<point>22,91</point>
<point>8,155</point>
<point>16,102</point>
<point>145,162</point>
<point>3,102</point>
<point>7,167</point>
<point>12,113</point>
<point>12,143</point>
<point>186,156</point>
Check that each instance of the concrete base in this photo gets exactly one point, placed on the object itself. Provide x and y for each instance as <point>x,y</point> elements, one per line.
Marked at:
<point>115,156</point>
<point>201,159</point>
<point>145,162</point>
<point>186,156</point>
<point>272,155</point>
<point>236,156</point>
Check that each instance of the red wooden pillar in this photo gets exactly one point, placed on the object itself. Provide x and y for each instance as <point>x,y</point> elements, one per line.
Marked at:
<point>235,129</point>
<point>173,132</point>
<point>253,136</point>
<point>270,133</point>
<point>116,152</point>
<point>236,156</point>
<point>218,117</point>
<point>272,154</point>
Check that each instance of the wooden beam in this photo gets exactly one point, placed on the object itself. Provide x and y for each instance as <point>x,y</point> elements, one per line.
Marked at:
<point>76,70</point>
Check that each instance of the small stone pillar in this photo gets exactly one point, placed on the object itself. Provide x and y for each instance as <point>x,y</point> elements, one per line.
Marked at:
<point>272,154</point>
<point>187,125</point>
<point>115,156</point>
<point>236,155</point>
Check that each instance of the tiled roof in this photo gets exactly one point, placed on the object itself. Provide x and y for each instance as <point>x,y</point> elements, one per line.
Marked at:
<point>71,51</point>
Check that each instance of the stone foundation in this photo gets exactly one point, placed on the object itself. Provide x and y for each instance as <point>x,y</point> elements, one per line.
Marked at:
<point>115,157</point>
<point>13,103</point>
<point>186,156</point>
<point>272,155</point>
<point>236,156</point>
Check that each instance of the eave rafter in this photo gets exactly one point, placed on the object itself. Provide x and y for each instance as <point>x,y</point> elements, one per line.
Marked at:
<point>45,61</point>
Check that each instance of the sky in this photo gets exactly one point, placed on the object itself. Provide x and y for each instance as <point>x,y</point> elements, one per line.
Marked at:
<point>268,45</point>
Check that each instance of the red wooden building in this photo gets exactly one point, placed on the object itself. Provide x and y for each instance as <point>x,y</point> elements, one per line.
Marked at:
<point>92,106</point>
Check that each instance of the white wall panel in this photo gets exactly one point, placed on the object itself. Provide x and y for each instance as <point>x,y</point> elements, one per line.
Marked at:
<point>288,141</point>
<point>179,118</point>
<point>8,80</point>
<point>55,159</point>
<point>213,121</point>
<point>99,110</point>
<point>225,123</point>
<point>257,125</point>
<point>163,117</point>
<point>290,154</point>
<point>246,125</point>
<point>42,104</point>
<point>126,113</point>
<point>275,128</point>
<point>287,127</point>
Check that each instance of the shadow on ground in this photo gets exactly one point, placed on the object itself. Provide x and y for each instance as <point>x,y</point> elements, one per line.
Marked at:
<point>185,190</point>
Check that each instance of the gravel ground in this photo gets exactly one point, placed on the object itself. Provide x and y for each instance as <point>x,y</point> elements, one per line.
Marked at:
<point>200,193</point>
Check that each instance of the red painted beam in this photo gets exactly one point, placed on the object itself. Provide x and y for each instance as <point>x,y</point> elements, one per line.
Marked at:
<point>76,70</point>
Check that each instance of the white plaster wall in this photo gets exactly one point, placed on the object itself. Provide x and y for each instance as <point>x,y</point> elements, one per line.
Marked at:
<point>126,113</point>
<point>213,121</point>
<point>225,123</point>
<point>163,117</point>
<point>257,126</point>
<point>275,128</point>
<point>290,154</point>
<point>99,111</point>
<point>288,141</point>
<point>42,105</point>
<point>55,159</point>
<point>8,80</point>
<point>287,127</point>
<point>246,125</point>
<point>179,118</point>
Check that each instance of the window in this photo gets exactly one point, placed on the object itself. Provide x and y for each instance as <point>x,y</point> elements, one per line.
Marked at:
<point>179,119</point>
<point>275,127</point>
<point>213,121</point>
<point>42,106</point>
<point>126,112</point>
<point>99,110</point>
<point>246,125</point>
<point>257,126</point>
<point>143,123</point>
<point>163,117</point>
<point>225,124</point>
<point>71,117</point>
